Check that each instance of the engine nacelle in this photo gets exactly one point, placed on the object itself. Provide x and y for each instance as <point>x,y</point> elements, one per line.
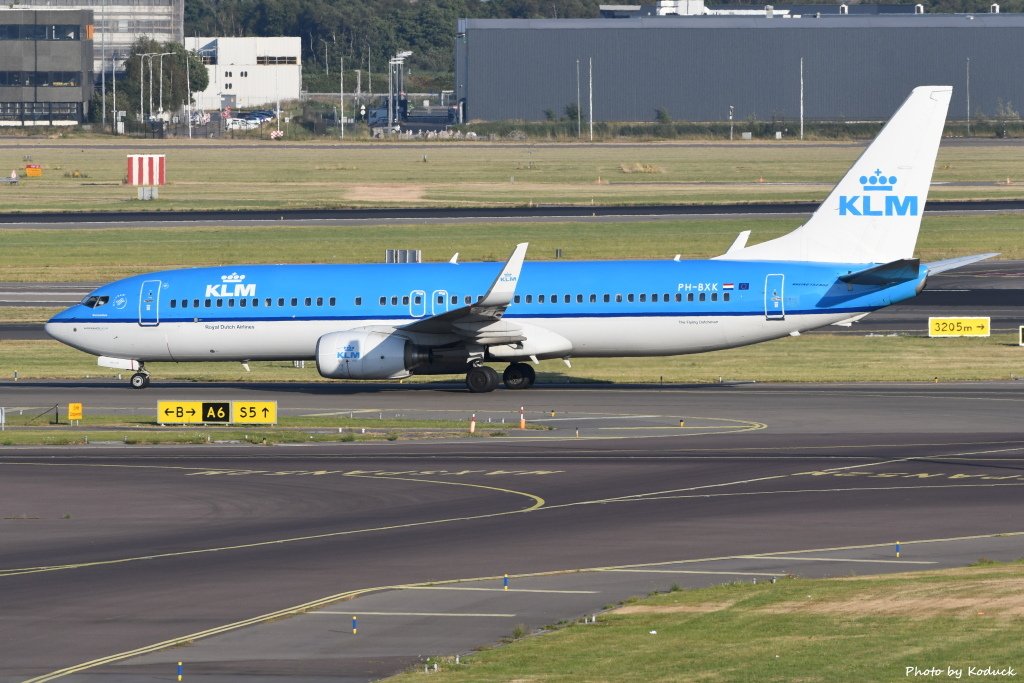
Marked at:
<point>366,354</point>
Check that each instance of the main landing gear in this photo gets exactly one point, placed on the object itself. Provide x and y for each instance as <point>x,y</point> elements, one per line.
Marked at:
<point>481,379</point>
<point>140,380</point>
<point>519,376</point>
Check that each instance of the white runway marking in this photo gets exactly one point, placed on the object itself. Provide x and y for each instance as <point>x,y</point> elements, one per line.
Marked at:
<point>416,614</point>
<point>830,559</point>
<point>687,571</point>
<point>499,590</point>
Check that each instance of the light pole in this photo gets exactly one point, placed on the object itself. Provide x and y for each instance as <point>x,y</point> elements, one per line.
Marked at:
<point>161,56</point>
<point>142,74</point>
<point>188,93</point>
<point>730,121</point>
<point>578,119</point>
<point>103,61</point>
<point>391,90</point>
<point>395,65</point>
<point>968,97</point>
<point>113,81</point>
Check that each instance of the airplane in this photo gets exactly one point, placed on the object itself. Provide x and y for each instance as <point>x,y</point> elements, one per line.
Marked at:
<point>853,256</point>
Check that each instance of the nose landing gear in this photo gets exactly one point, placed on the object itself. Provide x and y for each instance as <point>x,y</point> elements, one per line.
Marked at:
<point>140,380</point>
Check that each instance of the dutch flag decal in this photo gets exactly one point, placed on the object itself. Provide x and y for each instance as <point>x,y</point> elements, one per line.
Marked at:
<point>728,285</point>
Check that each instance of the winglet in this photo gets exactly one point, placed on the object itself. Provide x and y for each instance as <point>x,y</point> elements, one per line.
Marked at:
<point>503,288</point>
<point>454,259</point>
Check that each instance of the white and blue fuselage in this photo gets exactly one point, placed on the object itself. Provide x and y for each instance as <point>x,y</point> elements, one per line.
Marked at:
<point>602,308</point>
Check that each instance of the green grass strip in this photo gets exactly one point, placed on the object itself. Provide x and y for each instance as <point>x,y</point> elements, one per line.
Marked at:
<point>825,630</point>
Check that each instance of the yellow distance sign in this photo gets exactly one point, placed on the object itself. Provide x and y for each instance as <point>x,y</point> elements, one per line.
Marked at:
<point>254,412</point>
<point>74,411</point>
<point>179,412</point>
<point>959,327</point>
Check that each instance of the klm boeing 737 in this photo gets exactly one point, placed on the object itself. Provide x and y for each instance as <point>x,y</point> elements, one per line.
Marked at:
<point>853,256</point>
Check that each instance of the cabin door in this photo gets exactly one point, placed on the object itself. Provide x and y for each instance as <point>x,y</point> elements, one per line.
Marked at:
<point>774,297</point>
<point>149,303</point>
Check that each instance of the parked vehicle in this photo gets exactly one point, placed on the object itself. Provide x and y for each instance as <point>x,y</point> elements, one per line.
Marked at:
<point>240,124</point>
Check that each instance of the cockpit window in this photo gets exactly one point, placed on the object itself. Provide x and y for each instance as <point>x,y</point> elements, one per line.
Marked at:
<point>95,301</point>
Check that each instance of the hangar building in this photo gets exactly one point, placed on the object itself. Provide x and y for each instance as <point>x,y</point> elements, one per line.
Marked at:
<point>855,67</point>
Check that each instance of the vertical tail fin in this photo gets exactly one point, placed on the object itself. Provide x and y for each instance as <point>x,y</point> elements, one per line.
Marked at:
<point>874,214</point>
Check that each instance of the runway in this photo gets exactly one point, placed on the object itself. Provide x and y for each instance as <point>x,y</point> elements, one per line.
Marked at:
<point>110,549</point>
<point>57,220</point>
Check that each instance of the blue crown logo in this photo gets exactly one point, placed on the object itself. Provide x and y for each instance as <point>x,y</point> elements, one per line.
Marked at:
<point>234,277</point>
<point>878,182</point>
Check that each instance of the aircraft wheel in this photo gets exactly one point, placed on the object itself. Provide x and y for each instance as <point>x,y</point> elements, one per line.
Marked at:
<point>481,379</point>
<point>519,376</point>
<point>139,380</point>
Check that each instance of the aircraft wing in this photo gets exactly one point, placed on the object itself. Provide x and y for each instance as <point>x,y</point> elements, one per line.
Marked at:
<point>958,262</point>
<point>481,321</point>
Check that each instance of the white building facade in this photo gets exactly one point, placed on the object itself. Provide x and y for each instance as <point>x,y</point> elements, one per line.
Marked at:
<point>248,72</point>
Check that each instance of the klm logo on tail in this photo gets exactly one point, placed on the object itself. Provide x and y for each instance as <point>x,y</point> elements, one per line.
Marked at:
<point>874,203</point>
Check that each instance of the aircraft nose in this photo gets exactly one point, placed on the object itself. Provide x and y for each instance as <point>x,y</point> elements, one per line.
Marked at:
<point>55,330</point>
<point>58,328</point>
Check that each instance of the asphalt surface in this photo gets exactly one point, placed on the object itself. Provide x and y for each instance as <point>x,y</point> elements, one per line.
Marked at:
<point>71,220</point>
<point>989,288</point>
<point>110,548</point>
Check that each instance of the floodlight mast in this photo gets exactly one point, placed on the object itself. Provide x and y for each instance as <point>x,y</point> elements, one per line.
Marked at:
<point>142,89</point>
<point>395,80</point>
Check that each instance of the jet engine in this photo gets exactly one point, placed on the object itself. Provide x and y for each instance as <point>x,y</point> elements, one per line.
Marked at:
<point>367,354</point>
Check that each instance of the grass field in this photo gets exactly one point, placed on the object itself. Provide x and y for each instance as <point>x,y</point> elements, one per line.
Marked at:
<point>101,255</point>
<point>87,175</point>
<point>34,427</point>
<point>809,358</point>
<point>827,630</point>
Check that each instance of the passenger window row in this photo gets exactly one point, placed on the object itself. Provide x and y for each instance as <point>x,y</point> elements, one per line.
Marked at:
<point>417,299</point>
<point>619,298</point>
<point>268,302</point>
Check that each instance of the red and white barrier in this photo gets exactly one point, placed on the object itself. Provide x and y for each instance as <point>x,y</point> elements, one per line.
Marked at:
<point>147,169</point>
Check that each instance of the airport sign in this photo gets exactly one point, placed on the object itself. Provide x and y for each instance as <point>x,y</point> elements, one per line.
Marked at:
<point>959,327</point>
<point>254,412</point>
<point>216,412</point>
<point>179,412</point>
<point>74,411</point>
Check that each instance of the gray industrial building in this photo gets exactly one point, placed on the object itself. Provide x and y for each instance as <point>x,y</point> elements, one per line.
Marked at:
<point>45,67</point>
<point>119,23</point>
<point>854,67</point>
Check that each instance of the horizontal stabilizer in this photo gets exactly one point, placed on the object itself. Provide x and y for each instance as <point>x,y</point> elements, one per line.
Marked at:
<point>954,263</point>
<point>740,243</point>
<point>850,321</point>
<point>885,274</point>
